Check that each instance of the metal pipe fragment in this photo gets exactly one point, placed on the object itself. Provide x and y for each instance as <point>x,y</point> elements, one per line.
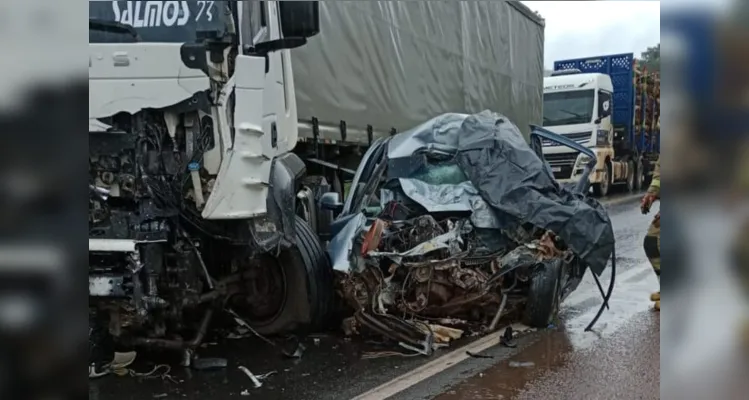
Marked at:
<point>179,344</point>
<point>495,321</point>
<point>252,377</point>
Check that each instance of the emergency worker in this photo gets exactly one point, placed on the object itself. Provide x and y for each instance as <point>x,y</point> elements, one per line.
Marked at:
<point>652,242</point>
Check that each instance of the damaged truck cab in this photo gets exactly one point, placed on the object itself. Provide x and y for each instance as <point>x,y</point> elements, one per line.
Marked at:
<point>442,223</point>
<point>192,183</point>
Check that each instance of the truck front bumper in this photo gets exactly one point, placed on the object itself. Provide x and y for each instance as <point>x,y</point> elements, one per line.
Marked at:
<point>596,176</point>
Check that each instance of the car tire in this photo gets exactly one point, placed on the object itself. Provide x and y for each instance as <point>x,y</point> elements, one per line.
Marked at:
<point>310,294</point>
<point>544,295</point>
<point>602,189</point>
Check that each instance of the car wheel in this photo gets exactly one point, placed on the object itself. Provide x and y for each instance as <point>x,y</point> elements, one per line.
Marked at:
<point>544,295</point>
<point>291,292</point>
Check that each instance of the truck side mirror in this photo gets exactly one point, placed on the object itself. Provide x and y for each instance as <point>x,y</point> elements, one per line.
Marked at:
<point>299,19</point>
<point>331,201</point>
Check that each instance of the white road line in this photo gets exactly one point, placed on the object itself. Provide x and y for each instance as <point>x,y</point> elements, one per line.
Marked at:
<point>433,367</point>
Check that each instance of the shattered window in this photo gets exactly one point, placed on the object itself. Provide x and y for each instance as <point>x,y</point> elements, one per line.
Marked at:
<point>444,173</point>
<point>431,168</point>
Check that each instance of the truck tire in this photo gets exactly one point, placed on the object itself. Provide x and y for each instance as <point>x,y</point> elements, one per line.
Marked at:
<point>631,176</point>
<point>544,295</point>
<point>602,189</point>
<point>639,176</point>
<point>307,299</point>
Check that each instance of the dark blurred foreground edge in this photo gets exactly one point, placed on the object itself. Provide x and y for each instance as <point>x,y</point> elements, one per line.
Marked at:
<point>41,335</point>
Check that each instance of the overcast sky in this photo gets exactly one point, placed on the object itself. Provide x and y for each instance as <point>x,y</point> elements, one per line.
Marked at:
<point>592,28</point>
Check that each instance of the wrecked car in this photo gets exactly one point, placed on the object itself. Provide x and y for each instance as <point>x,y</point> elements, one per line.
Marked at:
<point>456,223</point>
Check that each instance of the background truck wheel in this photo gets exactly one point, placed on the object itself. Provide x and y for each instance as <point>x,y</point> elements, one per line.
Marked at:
<point>291,292</point>
<point>631,176</point>
<point>602,189</point>
<point>639,176</point>
<point>544,294</point>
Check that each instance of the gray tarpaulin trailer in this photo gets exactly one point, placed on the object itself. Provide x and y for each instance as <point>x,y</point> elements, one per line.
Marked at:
<point>380,67</point>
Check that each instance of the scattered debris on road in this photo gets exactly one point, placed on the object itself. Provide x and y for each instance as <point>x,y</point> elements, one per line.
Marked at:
<point>204,364</point>
<point>476,355</point>
<point>521,364</point>
<point>508,338</point>
<point>255,380</point>
<point>298,351</point>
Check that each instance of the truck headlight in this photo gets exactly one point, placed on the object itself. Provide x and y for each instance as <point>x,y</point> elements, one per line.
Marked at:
<point>602,138</point>
<point>582,160</point>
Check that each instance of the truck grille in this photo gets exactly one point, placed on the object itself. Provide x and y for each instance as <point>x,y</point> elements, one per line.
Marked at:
<point>562,164</point>
<point>580,137</point>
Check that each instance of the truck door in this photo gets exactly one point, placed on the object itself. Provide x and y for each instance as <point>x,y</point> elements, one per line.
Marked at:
<point>605,133</point>
<point>244,177</point>
<point>279,103</point>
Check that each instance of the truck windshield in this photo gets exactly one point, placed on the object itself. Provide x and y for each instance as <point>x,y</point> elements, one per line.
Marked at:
<point>158,21</point>
<point>567,108</point>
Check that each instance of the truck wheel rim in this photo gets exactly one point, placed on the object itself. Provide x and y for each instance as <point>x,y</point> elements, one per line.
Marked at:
<point>641,177</point>
<point>631,181</point>
<point>605,182</point>
<point>263,296</point>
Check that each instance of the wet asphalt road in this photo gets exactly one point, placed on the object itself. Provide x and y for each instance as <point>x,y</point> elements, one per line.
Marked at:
<point>620,360</point>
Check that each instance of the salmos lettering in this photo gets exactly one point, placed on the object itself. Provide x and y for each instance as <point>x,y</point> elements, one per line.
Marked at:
<point>148,14</point>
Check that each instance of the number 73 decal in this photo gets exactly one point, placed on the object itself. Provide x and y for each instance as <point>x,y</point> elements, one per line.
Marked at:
<point>148,14</point>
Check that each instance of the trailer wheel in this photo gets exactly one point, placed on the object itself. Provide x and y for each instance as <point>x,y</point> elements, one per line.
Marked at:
<point>631,175</point>
<point>544,294</point>
<point>602,189</point>
<point>639,176</point>
<point>291,292</point>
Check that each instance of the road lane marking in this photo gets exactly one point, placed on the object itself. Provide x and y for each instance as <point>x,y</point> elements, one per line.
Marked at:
<point>433,367</point>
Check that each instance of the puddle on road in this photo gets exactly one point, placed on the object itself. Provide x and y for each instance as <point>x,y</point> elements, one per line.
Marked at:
<point>554,368</point>
<point>509,377</point>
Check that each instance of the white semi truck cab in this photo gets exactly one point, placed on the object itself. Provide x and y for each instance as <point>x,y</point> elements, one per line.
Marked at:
<point>578,106</point>
<point>194,66</point>
<point>192,183</point>
<point>611,105</point>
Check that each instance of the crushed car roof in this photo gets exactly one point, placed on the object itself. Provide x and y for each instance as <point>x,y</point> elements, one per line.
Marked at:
<point>505,185</point>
